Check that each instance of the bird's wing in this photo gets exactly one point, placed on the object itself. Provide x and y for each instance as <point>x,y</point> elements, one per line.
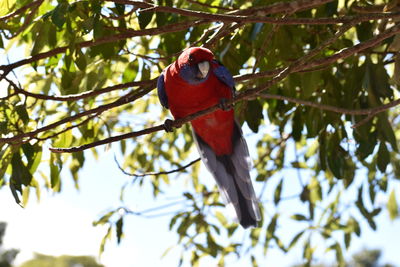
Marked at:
<point>162,95</point>
<point>224,75</point>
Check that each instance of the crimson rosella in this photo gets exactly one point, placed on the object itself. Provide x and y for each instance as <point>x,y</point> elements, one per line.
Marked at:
<point>194,82</point>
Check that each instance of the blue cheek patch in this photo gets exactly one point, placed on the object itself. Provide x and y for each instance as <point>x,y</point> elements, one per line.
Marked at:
<point>188,73</point>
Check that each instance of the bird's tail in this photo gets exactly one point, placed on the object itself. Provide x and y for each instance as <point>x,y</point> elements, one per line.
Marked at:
<point>232,174</point>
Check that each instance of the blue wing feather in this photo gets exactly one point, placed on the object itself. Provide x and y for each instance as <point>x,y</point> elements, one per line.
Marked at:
<point>224,75</point>
<point>162,95</point>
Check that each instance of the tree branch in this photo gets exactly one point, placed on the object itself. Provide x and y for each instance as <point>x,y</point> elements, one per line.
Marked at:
<point>83,95</point>
<point>129,97</point>
<point>180,26</point>
<point>255,92</point>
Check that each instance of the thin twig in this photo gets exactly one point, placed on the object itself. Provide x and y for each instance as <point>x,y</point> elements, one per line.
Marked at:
<point>137,175</point>
<point>83,95</point>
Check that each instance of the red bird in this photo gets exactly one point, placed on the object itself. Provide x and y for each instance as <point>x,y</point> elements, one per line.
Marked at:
<point>194,82</point>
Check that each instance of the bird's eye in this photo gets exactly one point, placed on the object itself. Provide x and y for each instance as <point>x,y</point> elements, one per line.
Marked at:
<point>191,58</point>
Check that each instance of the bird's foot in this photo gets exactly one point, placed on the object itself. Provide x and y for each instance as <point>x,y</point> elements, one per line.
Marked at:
<point>224,105</point>
<point>168,127</point>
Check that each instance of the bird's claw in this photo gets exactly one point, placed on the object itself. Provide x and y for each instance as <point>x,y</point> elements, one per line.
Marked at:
<point>224,105</point>
<point>168,127</point>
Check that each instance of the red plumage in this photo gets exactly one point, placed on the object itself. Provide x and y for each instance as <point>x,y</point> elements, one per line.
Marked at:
<point>184,99</point>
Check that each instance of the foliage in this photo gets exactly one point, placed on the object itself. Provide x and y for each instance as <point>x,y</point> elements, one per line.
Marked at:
<point>7,256</point>
<point>316,80</point>
<point>61,261</point>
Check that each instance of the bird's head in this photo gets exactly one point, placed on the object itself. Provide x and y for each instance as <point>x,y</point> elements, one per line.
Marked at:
<point>195,64</point>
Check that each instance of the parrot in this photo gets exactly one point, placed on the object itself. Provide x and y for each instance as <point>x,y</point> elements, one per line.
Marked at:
<point>197,81</point>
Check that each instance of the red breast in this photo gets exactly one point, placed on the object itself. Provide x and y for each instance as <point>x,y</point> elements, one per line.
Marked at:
<point>184,99</point>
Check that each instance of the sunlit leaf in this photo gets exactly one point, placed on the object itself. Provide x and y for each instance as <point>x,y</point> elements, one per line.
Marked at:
<point>392,205</point>
<point>6,6</point>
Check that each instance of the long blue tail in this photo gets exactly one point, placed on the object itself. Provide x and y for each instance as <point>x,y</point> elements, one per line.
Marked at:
<point>232,174</point>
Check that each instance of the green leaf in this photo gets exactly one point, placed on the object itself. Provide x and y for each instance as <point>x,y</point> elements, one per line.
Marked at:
<point>347,239</point>
<point>385,128</point>
<point>299,217</point>
<point>339,255</point>
<point>119,231</point>
<point>279,243</point>
<point>295,239</point>
<point>106,237</point>
<point>41,38</point>
<point>58,16</point>
<point>15,193</point>
<point>297,125</point>
<point>383,157</point>
<point>1,42</point>
<point>221,218</point>
<point>253,261</point>
<point>104,219</point>
<point>145,72</point>
<point>6,6</point>
<point>130,72</point>
<point>392,205</point>
<point>360,205</point>
<point>98,28</point>
<point>80,60</point>
<point>20,173</point>
<point>144,18</point>
<point>278,191</point>
<point>269,234</point>
<point>310,83</point>
<point>355,226</point>
<point>271,227</point>
<point>315,190</point>
<point>254,115</point>
<point>64,139</point>
<point>28,151</point>
<point>5,159</point>
<point>54,173</point>
<point>364,31</point>
<point>22,113</point>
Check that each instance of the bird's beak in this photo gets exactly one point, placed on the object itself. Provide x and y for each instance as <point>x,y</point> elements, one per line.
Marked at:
<point>204,67</point>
